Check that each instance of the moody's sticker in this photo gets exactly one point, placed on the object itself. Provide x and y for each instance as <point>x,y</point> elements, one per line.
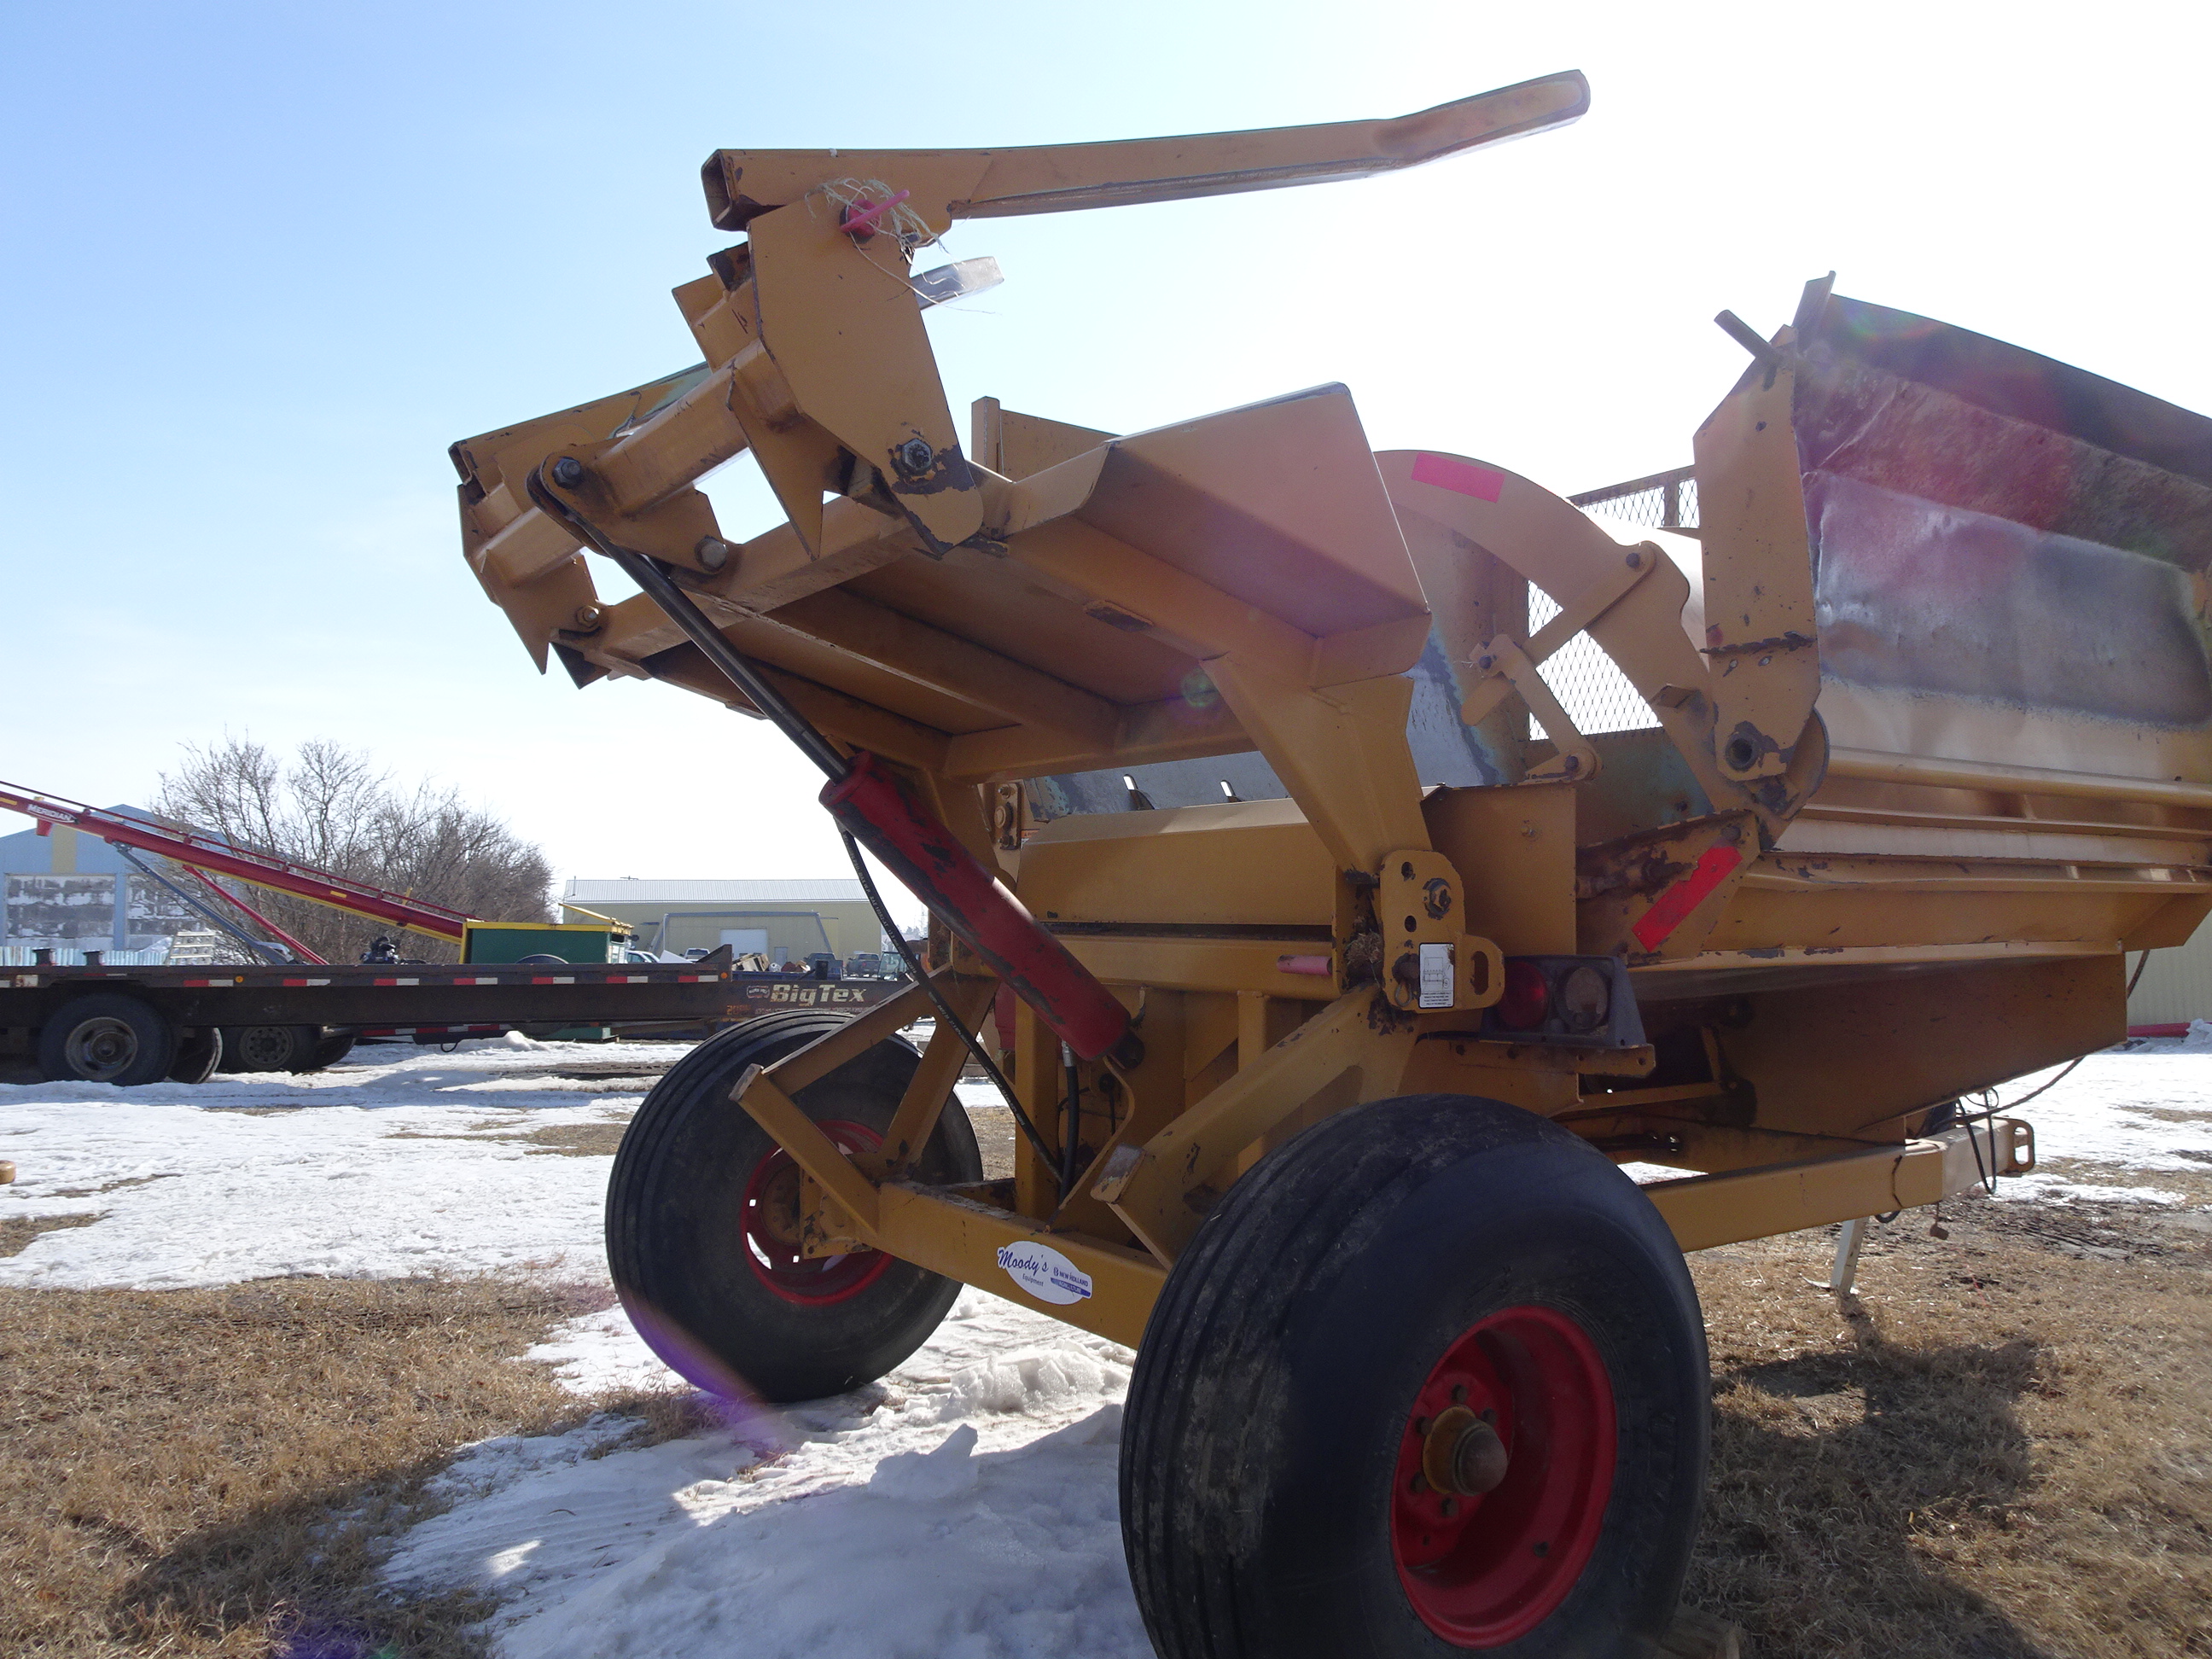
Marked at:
<point>1044,1273</point>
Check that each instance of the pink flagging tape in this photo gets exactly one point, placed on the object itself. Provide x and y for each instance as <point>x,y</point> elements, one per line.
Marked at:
<point>1673,907</point>
<point>860,217</point>
<point>1462,476</point>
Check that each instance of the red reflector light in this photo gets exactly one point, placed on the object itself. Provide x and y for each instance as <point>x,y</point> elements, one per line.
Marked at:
<point>1528,998</point>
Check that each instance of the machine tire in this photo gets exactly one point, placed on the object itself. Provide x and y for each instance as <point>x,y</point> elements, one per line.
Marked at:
<point>199,1054</point>
<point>694,1262</point>
<point>1390,1261</point>
<point>270,1047</point>
<point>331,1047</point>
<point>106,1037</point>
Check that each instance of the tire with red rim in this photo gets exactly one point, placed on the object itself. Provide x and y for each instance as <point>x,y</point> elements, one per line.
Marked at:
<point>1429,1379</point>
<point>701,1214</point>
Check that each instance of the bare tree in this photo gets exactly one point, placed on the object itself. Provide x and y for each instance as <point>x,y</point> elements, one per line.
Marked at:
<point>331,806</point>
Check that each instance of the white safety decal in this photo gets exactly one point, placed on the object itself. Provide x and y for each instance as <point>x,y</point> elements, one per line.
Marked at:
<point>1436,976</point>
<point>1044,1273</point>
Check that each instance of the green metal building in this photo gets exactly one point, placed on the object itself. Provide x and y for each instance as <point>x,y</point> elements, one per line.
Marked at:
<point>785,920</point>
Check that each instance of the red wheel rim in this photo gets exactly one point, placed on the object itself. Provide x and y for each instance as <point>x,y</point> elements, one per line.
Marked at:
<point>771,1209</point>
<point>1485,1570</point>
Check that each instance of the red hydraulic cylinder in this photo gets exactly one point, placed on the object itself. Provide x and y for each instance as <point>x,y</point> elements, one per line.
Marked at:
<point>878,809</point>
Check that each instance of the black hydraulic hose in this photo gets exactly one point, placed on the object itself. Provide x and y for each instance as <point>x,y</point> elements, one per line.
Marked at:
<point>1991,1105</point>
<point>719,651</point>
<point>679,607</point>
<point>1996,1105</point>
<point>1071,1128</point>
<point>944,1008</point>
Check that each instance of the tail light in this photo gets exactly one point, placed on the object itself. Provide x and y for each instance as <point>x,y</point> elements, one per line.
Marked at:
<point>1575,1002</point>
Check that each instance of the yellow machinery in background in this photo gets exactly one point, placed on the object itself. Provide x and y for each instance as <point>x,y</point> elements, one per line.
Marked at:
<point>1329,999</point>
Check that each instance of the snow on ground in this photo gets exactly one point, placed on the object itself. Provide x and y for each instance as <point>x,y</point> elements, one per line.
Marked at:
<point>963,1507</point>
<point>410,1163</point>
<point>2148,1107</point>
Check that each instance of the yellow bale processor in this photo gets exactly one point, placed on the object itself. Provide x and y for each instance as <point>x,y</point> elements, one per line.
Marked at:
<point>1328,996</point>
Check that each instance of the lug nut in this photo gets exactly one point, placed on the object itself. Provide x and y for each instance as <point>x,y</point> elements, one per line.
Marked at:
<point>568,472</point>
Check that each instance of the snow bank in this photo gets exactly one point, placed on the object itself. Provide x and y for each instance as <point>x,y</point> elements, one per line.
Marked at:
<point>860,1525</point>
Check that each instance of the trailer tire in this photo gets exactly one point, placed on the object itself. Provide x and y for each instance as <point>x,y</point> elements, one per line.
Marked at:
<point>1316,1353</point>
<point>696,1263</point>
<point>106,1037</point>
<point>199,1054</point>
<point>331,1048</point>
<point>270,1047</point>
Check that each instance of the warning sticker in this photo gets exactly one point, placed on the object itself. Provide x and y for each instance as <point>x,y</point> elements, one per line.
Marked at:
<point>1436,975</point>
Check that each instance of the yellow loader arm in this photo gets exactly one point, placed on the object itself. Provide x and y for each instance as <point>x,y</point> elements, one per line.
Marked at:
<point>817,362</point>
<point>988,184</point>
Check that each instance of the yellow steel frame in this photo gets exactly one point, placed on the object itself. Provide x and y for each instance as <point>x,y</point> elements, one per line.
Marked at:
<point>1053,599</point>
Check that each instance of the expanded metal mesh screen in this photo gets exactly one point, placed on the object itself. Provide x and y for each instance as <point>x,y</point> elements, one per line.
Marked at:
<point>1597,694</point>
<point>1664,501</point>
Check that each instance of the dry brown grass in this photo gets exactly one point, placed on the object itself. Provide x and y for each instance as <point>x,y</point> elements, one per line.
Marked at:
<point>593,1138</point>
<point>16,1231</point>
<point>2002,1450</point>
<point>994,1138</point>
<point>207,1472</point>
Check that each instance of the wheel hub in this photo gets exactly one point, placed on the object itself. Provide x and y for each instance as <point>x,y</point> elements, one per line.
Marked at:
<point>1462,1456</point>
<point>264,1047</point>
<point>102,1049</point>
<point>1502,1474</point>
<point>772,1229</point>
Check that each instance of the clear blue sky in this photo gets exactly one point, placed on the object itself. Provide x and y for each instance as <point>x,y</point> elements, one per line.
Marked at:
<point>266,263</point>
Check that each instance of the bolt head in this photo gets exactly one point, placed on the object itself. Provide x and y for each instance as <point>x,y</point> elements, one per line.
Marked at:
<point>568,472</point>
<point>713,552</point>
<point>915,455</point>
<point>588,617</point>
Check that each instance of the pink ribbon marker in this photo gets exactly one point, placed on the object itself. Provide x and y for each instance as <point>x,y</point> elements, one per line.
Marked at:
<point>861,218</point>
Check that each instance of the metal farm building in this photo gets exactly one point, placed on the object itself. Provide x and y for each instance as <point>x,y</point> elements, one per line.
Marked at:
<point>784,919</point>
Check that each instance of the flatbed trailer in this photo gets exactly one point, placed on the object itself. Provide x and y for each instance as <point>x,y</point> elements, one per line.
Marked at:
<point>130,1025</point>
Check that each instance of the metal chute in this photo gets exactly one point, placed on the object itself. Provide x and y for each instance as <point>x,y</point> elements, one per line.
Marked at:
<point>1989,524</point>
